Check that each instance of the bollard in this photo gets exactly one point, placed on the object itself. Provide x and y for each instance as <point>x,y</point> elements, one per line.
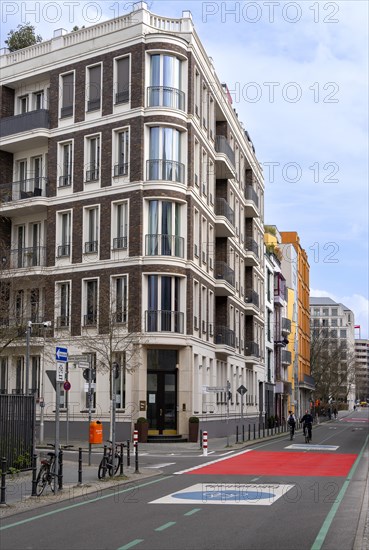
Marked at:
<point>136,459</point>
<point>204,443</point>
<point>243,433</point>
<point>135,438</point>
<point>259,431</point>
<point>249,433</point>
<point>60,470</point>
<point>128,452</point>
<point>34,475</point>
<point>3,481</point>
<point>200,439</point>
<point>236,434</point>
<point>121,459</point>
<point>254,431</point>
<point>80,466</point>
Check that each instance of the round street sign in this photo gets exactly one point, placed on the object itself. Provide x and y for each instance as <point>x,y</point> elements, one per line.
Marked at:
<point>67,385</point>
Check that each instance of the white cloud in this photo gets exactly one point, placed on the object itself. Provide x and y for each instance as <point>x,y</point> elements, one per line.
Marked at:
<point>358,304</point>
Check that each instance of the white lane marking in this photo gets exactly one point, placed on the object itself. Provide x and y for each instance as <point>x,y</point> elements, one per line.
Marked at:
<point>311,447</point>
<point>227,453</point>
<point>212,462</point>
<point>161,465</point>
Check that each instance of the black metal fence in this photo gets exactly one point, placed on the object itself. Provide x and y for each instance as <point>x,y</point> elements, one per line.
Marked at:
<point>17,428</point>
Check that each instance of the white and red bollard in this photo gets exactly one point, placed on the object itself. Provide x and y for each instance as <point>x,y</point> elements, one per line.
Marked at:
<point>205,443</point>
<point>135,438</point>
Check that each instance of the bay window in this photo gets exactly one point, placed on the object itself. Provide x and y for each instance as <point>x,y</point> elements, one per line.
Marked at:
<point>164,224</point>
<point>165,82</point>
<point>165,155</point>
<point>163,300</point>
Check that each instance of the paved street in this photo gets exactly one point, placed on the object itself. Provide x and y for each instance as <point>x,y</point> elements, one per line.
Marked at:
<point>261,496</point>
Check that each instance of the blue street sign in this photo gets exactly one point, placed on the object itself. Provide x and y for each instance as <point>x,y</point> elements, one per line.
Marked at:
<point>61,354</point>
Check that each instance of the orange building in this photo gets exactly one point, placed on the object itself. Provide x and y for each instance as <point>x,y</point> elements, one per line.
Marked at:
<point>305,381</point>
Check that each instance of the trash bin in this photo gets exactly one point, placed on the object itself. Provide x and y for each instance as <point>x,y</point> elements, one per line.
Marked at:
<point>96,431</point>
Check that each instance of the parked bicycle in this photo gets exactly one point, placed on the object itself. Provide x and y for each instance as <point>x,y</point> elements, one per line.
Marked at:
<point>48,473</point>
<point>106,464</point>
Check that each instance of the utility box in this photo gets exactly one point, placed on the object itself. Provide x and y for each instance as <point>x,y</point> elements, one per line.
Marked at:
<point>96,431</point>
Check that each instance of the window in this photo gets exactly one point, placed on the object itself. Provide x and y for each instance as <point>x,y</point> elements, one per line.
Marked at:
<point>23,104</point>
<point>90,303</point>
<point>119,299</point>
<point>3,375</point>
<point>343,333</point>
<point>36,172</point>
<point>22,174</point>
<point>334,312</point>
<point>67,99</point>
<point>197,163</point>
<point>122,140</point>
<point>63,304</point>
<point>211,313</point>
<point>122,80</point>
<point>196,299</point>
<point>325,311</point>
<point>120,223</point>
<point>38,100</point>
<point>196,233</point>
<point>66,159</point>
<point>35,305</point>
<point>164,226</point>
<point>203,309</point>
<point>163,301</point>
<point>92,230</point>
<point>120,381</point>
<point>204,240</point>
<point>165,82</point>
<point>64,230</point>
<point>94,88</point>
<point>93,158</point>
<point>204,173</point>
<point>211,118</point>
<point>197,92</point>
<point>19,375</point>
<point>165,155</point>
<point>19,307</point>
<point>205,107</point>
<point>35,375</point>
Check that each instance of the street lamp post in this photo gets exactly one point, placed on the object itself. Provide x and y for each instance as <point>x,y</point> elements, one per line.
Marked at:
<point>28,335</point>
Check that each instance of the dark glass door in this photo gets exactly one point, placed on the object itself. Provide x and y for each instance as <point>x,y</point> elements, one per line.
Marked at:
<point>162,400</point>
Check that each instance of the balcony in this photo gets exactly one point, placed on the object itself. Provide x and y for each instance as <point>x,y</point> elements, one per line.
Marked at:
<point>225,279</point>
<point>25,189</point>
<point>164,321</point>
<point>224,222</point>
<point>93,104</point>
<point>224,336</point>
<point>165,96</point>
<point>251,298</point>
<point>121,170</point>
<point>34,256</point>
<point>252,349</point>
<point>251,252</point>
<point>167,170</point>
<point>286,357</point>
<point>90,319</point>
<point>92,175</point>
<point>279,291</point>
<point>25,122</point>
<point>283,387</point>
<point>91,247</point>
<point>65,181</point>
<point>252,202</point>
<point>286,326</point>
<point>225,159</point>
<point>63,251</point>
<point>164,245</point>
<point>120,243</point>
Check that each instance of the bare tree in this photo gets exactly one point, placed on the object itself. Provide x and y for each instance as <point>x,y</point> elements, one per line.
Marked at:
<point>332,366</point>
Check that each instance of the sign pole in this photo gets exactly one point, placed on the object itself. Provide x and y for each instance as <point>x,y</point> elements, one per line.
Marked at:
<point>57,434</point>
<point>67,405</point>
<point>89,409</point>
<point>228,389</point>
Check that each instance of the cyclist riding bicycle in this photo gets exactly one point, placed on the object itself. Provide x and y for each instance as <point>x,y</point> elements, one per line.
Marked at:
<point>307,421</point>
<point>291,421</point>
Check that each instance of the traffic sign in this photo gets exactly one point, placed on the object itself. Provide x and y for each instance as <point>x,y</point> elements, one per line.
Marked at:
<point>67,385</point>
<point>77,358</point>
<point>83,364</point>
<point>206,389</point>
<point>60,371</point>
<point>61,354</point>
<point>242,390</point>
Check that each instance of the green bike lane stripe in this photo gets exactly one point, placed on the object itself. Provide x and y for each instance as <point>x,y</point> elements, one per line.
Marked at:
<point>318,543</point>
<point>77,504</point>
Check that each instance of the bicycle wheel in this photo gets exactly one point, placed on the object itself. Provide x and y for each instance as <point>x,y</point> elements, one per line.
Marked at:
<point>116,464</point>
<point>100,472</point>
<point>42,479</point>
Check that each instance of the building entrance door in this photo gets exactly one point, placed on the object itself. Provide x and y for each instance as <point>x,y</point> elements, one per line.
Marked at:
<point>162,392</point>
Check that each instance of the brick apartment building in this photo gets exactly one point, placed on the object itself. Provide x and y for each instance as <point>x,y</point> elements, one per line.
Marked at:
<point>132,220</point>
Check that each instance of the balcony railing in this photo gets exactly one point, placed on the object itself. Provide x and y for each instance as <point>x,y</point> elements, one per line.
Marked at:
<point>222,146</point>
<point>33,256</point>
<point>286,357</point>
<point>91,247</point>
<point>286,325</point>
<point>24,122</point>
<point>169,170</point>
<point>65,181</point>
<point>164,245</point>
<point>93,104</point>
<point>251,246</point>
<point>165,96</point>
<point>119,243</point>
<point>92,175</point>
<point>122,97</point>
<point>251,297</point>
<point>66,111</point>
<point>251,195</point>
<point>90,319</point>
<point>164,321</point>
<point>63,321</point>
<point>222,208</point>
<point>224,336</point>
<point>121,169</point>
<point>63,250</point>
<point>223,271</point>
<point>24,189</point>
<point>252,348</point>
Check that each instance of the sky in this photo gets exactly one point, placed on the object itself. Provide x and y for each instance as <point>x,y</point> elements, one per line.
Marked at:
<point>298,76</point>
